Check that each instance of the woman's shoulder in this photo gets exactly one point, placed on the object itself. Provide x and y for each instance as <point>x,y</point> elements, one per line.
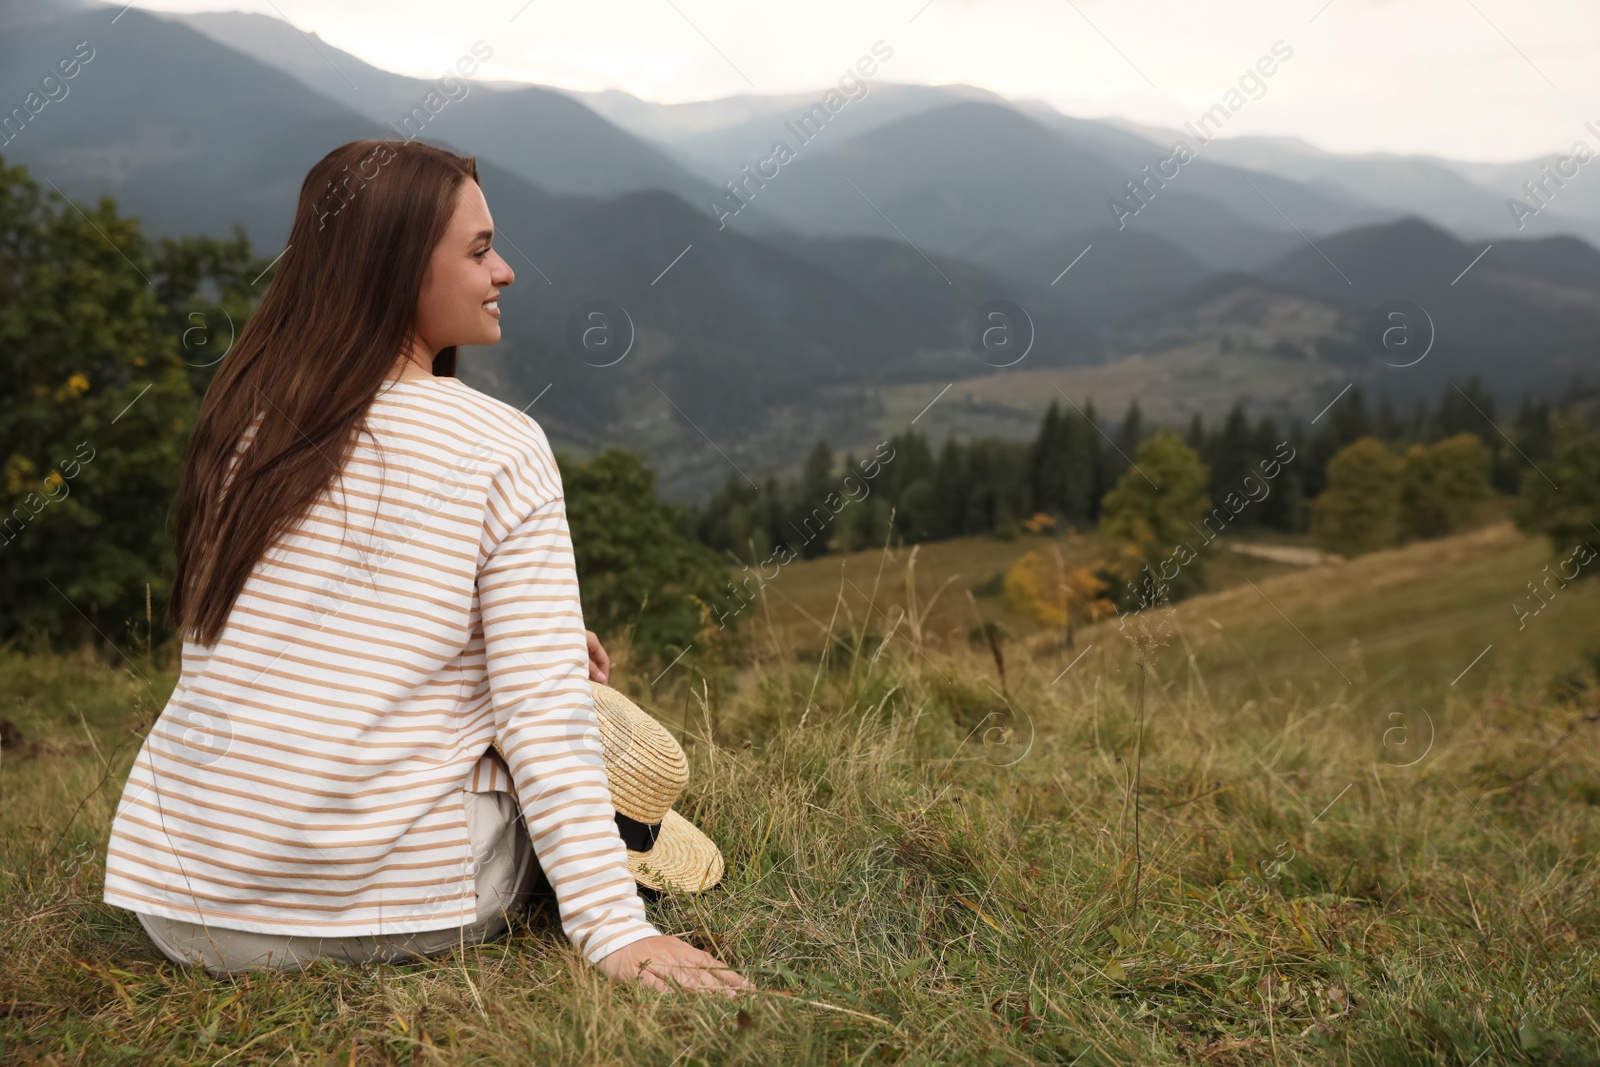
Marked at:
<point>488,420</point>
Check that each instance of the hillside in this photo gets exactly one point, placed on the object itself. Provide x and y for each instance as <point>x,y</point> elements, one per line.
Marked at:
<point>188,135</point>
<point>1255,862</point>
<point>1403,622</point>
<point>1481,311</point>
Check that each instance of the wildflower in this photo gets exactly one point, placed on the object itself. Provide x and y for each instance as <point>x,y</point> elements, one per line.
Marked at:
<point>1150,622</point>
<point>75,387</point>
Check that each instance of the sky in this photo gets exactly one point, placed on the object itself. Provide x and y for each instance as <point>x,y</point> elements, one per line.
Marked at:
<point>1486,80</point>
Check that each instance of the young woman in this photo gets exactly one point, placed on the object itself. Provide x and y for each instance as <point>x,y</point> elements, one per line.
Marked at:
<point>381,624</point>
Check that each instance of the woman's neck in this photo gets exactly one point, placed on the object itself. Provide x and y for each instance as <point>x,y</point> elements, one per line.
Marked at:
<point>410,368</point>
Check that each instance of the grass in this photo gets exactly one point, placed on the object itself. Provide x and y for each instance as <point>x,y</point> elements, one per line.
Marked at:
<point>927,865</point>
<point>804,594</point>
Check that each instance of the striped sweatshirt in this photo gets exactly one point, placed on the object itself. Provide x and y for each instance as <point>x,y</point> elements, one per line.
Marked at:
<point>307,775</point>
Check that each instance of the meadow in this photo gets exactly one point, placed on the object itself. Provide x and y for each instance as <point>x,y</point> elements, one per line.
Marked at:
<point>1337,814</point>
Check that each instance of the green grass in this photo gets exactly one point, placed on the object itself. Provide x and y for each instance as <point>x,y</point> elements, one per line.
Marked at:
<point>923,867</point>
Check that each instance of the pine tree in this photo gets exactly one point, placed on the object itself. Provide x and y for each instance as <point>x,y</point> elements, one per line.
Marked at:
<point>1569,516</point>
<point>1117,453</point>
<point>1132,431</point>
<point>950,491</point>
<point>1387,425</point>
<point>1099,478</point>
<point>1047,462</point>
<point>1346,422</point>
<point>810,516</point>
<point>1465,409</point>
<point>1232,458</point>
<point>1531,432</point>
<point>1082,488</point>
<point>1279,511</point>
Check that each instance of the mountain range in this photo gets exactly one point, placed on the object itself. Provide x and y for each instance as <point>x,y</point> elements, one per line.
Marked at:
<point>859,279</point>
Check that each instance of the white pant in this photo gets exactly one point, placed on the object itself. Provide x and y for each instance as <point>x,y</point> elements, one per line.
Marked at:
<point>505,881</point>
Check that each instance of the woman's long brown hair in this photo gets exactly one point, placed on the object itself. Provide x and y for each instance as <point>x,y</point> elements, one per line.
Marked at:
<point>332,325</point>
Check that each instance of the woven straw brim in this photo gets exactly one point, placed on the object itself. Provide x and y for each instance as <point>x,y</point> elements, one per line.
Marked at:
<point>683,859</point>
<point>647,768</point>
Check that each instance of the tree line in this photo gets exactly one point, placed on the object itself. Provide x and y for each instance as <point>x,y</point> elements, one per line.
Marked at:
<point>990,486</point>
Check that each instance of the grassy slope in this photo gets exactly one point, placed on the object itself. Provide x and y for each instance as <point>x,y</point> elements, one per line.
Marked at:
<point>874,584</point>
<point>921,869</point>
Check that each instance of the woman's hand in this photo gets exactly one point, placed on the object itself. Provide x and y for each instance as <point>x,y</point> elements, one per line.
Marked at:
<point>599,662</point>
<point>657,961</point>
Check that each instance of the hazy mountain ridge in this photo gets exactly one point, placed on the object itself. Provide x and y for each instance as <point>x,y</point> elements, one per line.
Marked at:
<point>752,340</point>
<point>541,134</point>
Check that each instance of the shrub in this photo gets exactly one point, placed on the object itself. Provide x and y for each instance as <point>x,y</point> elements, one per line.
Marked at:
<point>1442,484</point>
<point>1360,509</point>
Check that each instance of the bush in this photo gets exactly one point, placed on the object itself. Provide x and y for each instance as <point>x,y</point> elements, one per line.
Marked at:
<point>1153,510</point>
<point>636,565</point>
<point>1360,509</point>
<point>97,402</point>
<point>1442,484</point>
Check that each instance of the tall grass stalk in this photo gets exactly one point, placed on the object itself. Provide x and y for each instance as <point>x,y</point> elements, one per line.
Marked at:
<point>1146,628</point>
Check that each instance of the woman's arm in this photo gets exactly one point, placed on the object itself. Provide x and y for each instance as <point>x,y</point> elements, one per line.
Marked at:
<point>540,660</point>
<point>538,666</point>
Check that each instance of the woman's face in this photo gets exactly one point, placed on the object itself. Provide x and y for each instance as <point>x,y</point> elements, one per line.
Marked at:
<point>461,288</point>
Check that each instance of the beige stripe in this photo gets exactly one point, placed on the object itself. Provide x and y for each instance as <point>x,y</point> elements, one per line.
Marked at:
<point>299,924</point>
<point>463,665</point>
<point>347,595</point>
<point>528,553</point>
<point>544,812</point>
<point>388,755</point>
<point>592,949</point>
<point>423,848</point>
<point>474,413</point>
<point>402,732</point>
<point>614,899</point>
<point>339,609</point>
<point>580,874</point>
<point>335,661</point>
<point>271,903</point>
<point>203,790</point>
<point>384,767</point>
<point>366,876</point>
<point>507,693</point>
<point>393,624</point>
<point>369,492</point>
<point>282,844</point>
<point>602,827</point>
<point>390,547</point>
<point>420,704</point>
<point>191,874</point>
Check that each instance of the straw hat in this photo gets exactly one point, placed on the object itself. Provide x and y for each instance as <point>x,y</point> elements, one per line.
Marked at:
<point>648,771</point>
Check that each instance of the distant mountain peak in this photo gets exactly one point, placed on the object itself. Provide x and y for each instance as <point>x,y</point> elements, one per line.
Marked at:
<point>18,13</point>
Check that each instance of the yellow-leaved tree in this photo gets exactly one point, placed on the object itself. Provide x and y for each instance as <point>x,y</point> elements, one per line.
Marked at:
<point>1045,589</point>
